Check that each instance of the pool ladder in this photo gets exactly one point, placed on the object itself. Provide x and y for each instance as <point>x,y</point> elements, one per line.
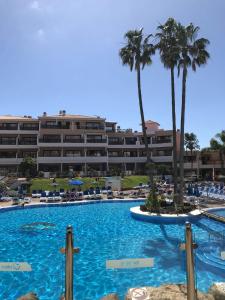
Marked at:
<point>69,252</point>
<point>188,246</point>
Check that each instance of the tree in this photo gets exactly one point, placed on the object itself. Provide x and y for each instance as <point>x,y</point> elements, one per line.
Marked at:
<point>191,143</point>
<point>193,54</point>
<point>169,55</point>
<point>163,169</point>
<point>218,143</point>
<point>137,54</point>
<point>28,167</point>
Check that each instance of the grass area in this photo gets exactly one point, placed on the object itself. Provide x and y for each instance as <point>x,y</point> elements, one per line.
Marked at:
<point>128,182</point>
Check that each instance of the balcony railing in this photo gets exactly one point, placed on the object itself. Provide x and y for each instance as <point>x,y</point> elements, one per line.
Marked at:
<point>50,140</point>
<point>110,129</point>
<point>26,127</point>
<point>96,155</point>
<point>73,140</point>
<point>72,155</point>
<point>163,141</point>
<point>127,142</point>
<point>50,155</point>
<point>84,127</point>
<point>8,127</point>
<point>12,142</point>
<point>162,154</point>
<point>55,126</point>
<point>119,142</point>
<point>24,142</point>
<point>94,127</point>
<point>96,141</point>
<point>24,155</point>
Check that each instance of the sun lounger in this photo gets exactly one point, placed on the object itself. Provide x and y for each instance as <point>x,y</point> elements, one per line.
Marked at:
<point>110,195</point>
<point>57,197</point>
<point>50,197</point>
<point>43,197</point>
<point>62,192</point>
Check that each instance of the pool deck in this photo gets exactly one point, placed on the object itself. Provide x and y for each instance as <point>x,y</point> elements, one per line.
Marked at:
<point>36,203</point>
<point>205,205</point>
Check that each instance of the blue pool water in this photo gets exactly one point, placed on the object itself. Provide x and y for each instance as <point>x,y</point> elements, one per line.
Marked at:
<point>102,231</point>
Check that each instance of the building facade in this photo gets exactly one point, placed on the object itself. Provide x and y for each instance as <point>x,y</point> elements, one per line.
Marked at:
<point>83,144</point>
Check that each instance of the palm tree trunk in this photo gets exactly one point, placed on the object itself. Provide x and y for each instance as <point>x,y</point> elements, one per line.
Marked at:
<point>182,122</point>
<point>174,134</point>
<point>148,154</point>
<point>222,162</point>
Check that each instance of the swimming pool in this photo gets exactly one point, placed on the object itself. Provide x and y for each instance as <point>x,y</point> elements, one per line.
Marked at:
<point>102,231</point>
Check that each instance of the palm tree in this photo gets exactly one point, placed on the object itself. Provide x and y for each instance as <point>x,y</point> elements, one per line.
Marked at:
<point>137,54</point>
<point>193,54</point>
<point>169,55</point>
<point>191,143</point>
<point>218,143</point>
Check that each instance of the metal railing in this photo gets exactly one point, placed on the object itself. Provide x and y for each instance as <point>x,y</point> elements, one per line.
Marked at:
<point>81,140</point>
<point>89,140</point>
<point>188,246</point>
<point>27,127</point>
<point>190,270</point>
<point>56,140</point>
<point>55,126</point>
<point>69,252</point>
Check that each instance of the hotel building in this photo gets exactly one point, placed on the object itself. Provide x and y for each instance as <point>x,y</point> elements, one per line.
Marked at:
<point>84,144</point>
<point>91,145</point>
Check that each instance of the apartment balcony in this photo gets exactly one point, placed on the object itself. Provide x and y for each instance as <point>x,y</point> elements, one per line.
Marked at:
<point>55,126</point>
<point>162,141</point>
<point>210,165</point>
<point>52,140</point>
<point>93,127</point>
<point>72,160</point>
<point>9,127</point>
<point>29,128</point>
<point>115,142</point>
<point>126,159</point>
<point>9,142</point>
<point>189,165</point>
<point>24,142</point>
<point>73,141</point>
<point>126,146</point>
<point>96,143</point>
<point>162,159</point>
<point>49,143</point>
<point>10,161</point>
<point>130,142</point>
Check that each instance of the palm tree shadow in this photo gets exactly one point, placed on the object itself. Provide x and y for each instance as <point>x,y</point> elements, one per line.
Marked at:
<point>165,250</point>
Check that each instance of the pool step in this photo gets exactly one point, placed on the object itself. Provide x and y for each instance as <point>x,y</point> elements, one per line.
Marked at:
<point>214,217</point>
<point>210,259</point>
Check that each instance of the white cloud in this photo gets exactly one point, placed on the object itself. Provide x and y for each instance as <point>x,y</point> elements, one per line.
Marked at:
<point>35,5</point>
<point>40,34</point>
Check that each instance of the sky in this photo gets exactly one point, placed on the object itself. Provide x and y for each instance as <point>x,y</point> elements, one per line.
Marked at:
<point>63,55</point>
